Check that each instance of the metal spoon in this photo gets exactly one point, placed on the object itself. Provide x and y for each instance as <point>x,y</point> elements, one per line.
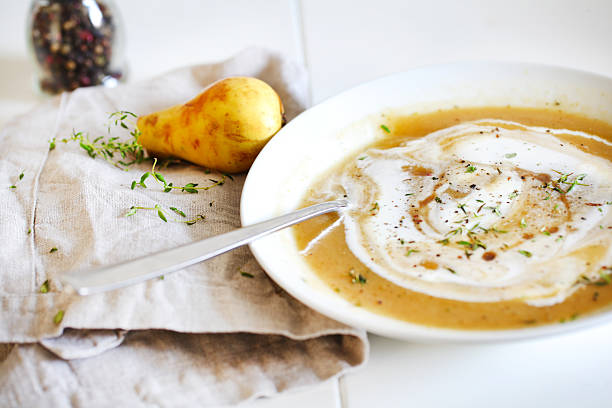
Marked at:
<point>162,263</point>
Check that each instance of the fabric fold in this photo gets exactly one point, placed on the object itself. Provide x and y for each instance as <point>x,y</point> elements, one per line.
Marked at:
<point>220,331</point>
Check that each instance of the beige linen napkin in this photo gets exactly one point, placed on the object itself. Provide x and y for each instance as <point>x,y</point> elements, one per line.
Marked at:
<point>210,334</point>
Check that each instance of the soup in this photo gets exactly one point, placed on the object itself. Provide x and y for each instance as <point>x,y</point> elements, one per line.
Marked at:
<point>483,218</point>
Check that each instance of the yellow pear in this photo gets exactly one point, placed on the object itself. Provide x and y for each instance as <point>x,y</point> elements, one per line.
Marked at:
<point>223,128</point>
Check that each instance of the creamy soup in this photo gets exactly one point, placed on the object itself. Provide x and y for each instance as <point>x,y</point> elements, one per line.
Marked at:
<point>483,218</point>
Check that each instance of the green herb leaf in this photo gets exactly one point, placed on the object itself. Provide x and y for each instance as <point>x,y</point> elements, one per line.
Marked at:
<point>87,148</point>
<point>470,169</point>
<point>160,177</point>
<point>495,210</point>
<point>44,288</point>
<point>161,215</point>
<point>54,249</point>
<point>246,274</point>
<point>375,208</point>
<point>179,212</point>
<point>59,316</point>
<point>478,243</point>
<point>525,253</point>
<point>605,275</point>
<point>357,277</point>
<point>133,184</point>
<point>194,220</point>
<point>131,212</point>
<point>411,251</point>
<point>523,224</point>
<point>509,155</point>
<point>190,188</point>
<point>385,128</point>
<point>21,176</point>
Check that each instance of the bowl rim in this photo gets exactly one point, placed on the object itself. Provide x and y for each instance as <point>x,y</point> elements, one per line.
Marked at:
<point>381,324</point>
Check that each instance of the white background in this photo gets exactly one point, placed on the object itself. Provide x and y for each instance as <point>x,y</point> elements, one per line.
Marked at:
<point>343,43</point>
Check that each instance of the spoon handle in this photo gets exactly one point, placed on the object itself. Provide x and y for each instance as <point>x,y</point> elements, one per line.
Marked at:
<point>161,263</point>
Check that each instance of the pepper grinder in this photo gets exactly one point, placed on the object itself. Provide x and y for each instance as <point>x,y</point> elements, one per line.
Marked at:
<point>75,43</point>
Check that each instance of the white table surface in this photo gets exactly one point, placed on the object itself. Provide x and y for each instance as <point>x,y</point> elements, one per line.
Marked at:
<point>343,43</point>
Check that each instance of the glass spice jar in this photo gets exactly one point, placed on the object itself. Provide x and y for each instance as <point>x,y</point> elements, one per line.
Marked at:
<point>75,43</point>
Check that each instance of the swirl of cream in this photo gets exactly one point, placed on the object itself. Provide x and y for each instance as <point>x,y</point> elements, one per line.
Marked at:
<point>482,211</point>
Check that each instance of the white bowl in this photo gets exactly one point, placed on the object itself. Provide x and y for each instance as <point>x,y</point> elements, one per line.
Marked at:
<point>314,141</point>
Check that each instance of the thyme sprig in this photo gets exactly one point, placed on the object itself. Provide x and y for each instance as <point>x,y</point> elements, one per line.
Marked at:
<point>163,214</point>
<point>192,188</point>
<point>118,153</point>
<point>123,154</point>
